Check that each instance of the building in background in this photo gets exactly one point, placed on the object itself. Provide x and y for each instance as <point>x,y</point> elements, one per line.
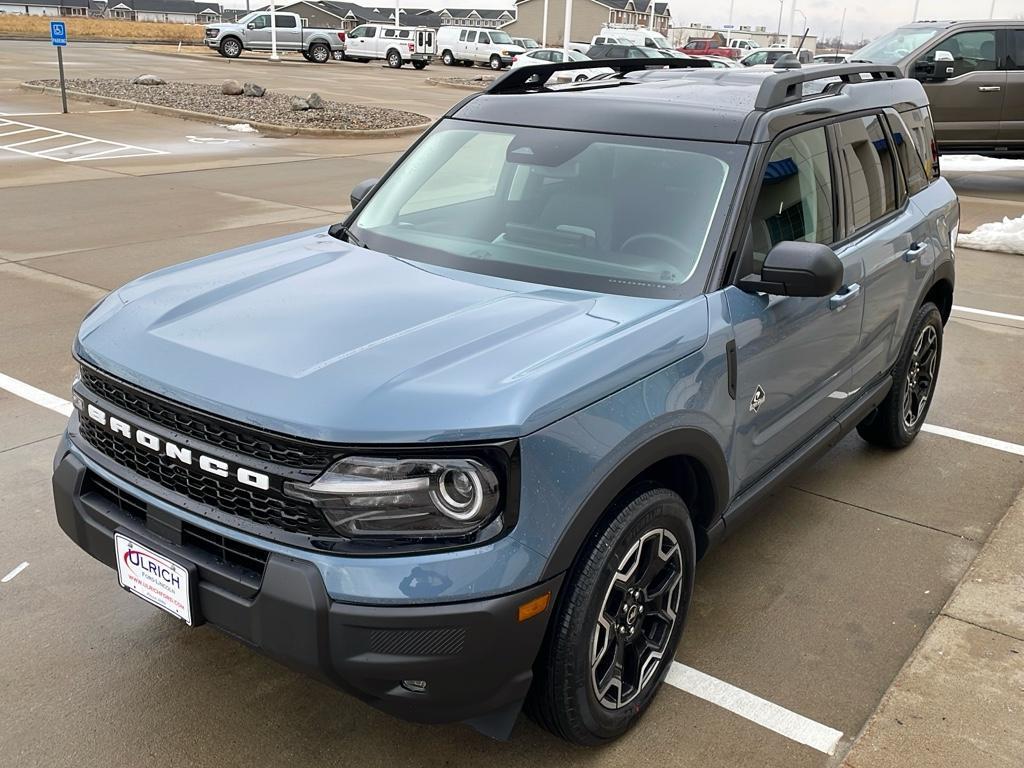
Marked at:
<point>341,15</point>
<point>588,16</point>
<point>762,36</point>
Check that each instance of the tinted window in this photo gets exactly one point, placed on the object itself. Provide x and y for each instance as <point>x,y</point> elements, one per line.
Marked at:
<point>756,58</point>
<point>261,22</point>
<point>471,37</point>
<point>870,170</point>
<point>1015,54</point>
<point>796,199</point>
<point>463,35</point>
<point>284,22</point>
<point>971,51</point>
<point>910,159</point>
<point>389,33</point>
<point>357,32</point>
<point>370,32</point>
<point>919,121</point>
<point>484,38</point>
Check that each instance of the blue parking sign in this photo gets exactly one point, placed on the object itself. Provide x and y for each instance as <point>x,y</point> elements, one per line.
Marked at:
<point>58,33</point>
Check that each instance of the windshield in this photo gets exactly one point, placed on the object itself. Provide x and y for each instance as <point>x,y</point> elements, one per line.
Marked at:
<point>577,56</point>
<point>657,41</point>
<point>616,214</point>
<point>249,17</point>
<point>896,45</point>
<point>500,37</point>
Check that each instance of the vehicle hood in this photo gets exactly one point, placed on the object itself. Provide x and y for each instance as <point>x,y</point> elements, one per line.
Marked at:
<point>310,336</point>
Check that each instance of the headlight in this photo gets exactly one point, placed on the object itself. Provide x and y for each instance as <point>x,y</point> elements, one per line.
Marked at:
<point>409,498</point>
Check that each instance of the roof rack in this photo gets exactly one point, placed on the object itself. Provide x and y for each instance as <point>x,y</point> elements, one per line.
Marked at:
<point>536,75</point>
<point>784,85</point>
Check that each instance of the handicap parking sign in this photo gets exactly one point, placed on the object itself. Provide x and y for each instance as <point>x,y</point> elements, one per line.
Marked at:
<point>58,33</point>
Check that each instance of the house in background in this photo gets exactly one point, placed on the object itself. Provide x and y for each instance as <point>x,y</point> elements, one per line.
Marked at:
<point>177,11</point>
<point>588,16</point>
<point>342,15</point>
<point>45,8</point>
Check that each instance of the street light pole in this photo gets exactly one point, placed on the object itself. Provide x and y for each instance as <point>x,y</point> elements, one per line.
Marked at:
<point>839,41</point>
<point>792,20</point>
<point>917,4</point>
<point>544,27</point>
<point>778,29</point>
<point>992,10</point>
<point>273,32</point>
<point>568,27</point>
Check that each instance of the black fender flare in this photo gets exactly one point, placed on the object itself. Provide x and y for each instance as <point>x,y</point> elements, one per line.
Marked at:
<point>682,441</point>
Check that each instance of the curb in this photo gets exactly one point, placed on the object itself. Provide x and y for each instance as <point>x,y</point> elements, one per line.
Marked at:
<point>78,40</point>
<point>268,129</point>
<point>209,57</point>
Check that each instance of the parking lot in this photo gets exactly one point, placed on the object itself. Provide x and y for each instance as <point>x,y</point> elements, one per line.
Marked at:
<point>814,606</point>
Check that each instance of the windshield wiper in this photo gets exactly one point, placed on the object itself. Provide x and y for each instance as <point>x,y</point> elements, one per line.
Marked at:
<point>343,233</point>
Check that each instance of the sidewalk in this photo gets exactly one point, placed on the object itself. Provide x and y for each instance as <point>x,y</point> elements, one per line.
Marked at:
<point>959,699</point>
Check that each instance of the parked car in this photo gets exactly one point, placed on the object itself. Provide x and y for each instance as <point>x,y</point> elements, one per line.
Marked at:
<point>470,45</point>
<point>734,48</point>
<point>831,58</point>
<point>526,43</point>
<point>467,445</point>
<point>556,56</point>
<point>973,73</point>
<point>771,56</point>
<point>252,32</point>
<point>721,62</point>
<point>617,51</point>
<point>396,45</point>
<point>626,35</point>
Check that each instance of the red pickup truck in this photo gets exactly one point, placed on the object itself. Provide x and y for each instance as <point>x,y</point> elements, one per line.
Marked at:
<point>716,46</point>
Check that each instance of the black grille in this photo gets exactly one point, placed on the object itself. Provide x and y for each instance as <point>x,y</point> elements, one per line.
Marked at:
<point>124,501</point>
<point>230,436</point>
<point>447,641</point>
<point>270,507</point>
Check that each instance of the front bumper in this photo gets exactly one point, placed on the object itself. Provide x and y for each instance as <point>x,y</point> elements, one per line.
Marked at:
<point>475,657</point>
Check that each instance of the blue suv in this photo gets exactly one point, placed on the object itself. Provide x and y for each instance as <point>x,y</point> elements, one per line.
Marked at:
<point>463,450</point>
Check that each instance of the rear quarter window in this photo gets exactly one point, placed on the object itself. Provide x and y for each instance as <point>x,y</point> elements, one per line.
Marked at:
<point>910,158</point>
<point>922,132</point>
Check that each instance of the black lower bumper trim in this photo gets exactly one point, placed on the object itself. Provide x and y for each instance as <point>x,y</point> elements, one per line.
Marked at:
<point>475,658</point>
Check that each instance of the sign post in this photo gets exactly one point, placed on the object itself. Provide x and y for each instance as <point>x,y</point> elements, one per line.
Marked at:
<point>59,39</point>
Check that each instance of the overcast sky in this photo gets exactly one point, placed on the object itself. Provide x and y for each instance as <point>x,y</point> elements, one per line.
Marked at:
<point>867,18</point>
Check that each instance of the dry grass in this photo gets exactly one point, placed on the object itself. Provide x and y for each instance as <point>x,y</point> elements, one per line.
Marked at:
<point>110,29</point>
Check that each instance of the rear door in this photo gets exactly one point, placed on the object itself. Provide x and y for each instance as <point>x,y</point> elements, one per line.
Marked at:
<point>289,33</point>
<point>794,355</point>
<point>967,96</point>
<point>1011,125</point>
<point>468,45</point>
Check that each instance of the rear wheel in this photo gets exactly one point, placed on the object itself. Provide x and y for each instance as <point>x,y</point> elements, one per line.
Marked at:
<point>898,419</point>
<point>467,63</point>
<point>619,620</point>
<point>580,78</point>
<point>495,62</point>
<point>394,59</point>
<point>230,48</point>
<point>420,64</point>
<point>320,53</point>
<point>447,59</point>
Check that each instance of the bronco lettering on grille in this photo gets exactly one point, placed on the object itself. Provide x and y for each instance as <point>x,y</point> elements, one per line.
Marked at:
<point>182,455</point>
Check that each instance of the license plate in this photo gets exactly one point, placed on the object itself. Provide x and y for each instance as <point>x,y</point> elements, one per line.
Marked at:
<point>153,577</point>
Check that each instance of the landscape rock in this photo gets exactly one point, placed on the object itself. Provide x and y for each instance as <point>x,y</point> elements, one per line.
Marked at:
<point>148,80</point>
<point>253,90</point>
<point>314,101</point>
<point>231,88</point>
<point>299,104</point>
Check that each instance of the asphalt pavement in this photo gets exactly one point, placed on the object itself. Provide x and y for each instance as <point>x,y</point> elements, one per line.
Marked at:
<point>815,606</point>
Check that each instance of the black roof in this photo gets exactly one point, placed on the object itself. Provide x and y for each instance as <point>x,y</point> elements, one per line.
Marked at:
<point>702,104</point>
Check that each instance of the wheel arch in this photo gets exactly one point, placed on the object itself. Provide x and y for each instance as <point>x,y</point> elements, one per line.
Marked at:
<point>940,292</point>
<point>232,36</point>
<point>687,460</point>
<point>393,49</point>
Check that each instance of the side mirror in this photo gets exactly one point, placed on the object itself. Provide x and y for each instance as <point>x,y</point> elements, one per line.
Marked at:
<point>251,25</point>
<point>794,268</point>
<point>360,190</point>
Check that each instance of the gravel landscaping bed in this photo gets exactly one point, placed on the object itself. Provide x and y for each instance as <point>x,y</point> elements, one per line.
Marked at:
<point>273,107</point>
<point>479,81</point>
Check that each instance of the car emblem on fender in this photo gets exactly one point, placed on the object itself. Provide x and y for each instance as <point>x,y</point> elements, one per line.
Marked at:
<point>757,400</point>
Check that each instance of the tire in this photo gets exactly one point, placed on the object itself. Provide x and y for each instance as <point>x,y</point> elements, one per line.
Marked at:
<point>306,56</point>
<point>579,700</point>
<point>230,48</point>
<point>420,64</point>
<point>898,418</point>
<point>580,79</point>
<point>467,62</point>
<point>447,59</point>
<point>320,53</point>
<point>495,62</point>
<point>394,59</point>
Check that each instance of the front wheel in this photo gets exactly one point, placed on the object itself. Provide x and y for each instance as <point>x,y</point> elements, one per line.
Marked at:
<point>619,620</point>
<point>495,63</point>
<point>320,53</point>
<point>230,48</point>
<point>394,60</point>
<point>900,416</point>
<point>448,59</point>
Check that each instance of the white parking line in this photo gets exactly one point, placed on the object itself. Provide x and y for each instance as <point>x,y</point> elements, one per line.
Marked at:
<point>967,437</point>
<point>35,395</point>
<point>104,147</point>
<point>13,573</point>
<point>988,313</point>
<point>782,721</point>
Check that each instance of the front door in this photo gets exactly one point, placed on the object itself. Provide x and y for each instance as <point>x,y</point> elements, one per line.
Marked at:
<point>360,42</point>
<point>965,86</point>
<point>257,32</point>
<point>794,356</point>
<point>483,47</point>
<point>1011,127</point>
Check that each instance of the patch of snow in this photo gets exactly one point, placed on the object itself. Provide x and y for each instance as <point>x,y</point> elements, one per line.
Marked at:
<point>978,163</point>
<point>1006,236</point>
<point>239,127</point>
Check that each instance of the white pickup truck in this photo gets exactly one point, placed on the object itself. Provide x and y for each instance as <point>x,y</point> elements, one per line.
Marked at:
<point>252,33</point>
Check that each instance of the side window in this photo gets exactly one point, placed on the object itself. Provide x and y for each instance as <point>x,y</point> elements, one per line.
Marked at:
<point>358,32</point>
<point>284,21</point>
<point>636,53</point>
<point>261,22</point>
<point>919,121</point>
<point>484,38</point>
<point>756,58</point>
<point>870,169</point>
<point>796,198</point>
<point>1015,52</point>
<point>370,32</point>
<point>404,34</point>
<point>388,33</point>
<point>462,36</point>
<point>471,37</point>
<point>971,52</point>
<point>910,159</point>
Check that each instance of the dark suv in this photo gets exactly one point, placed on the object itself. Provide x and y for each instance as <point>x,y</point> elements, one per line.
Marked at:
<point>973,73</point>
<point>465,448</point>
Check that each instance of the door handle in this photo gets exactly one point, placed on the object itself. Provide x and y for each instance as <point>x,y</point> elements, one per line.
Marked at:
<point>838,302</point>
<point>989,88</point>
<point>914,251</point>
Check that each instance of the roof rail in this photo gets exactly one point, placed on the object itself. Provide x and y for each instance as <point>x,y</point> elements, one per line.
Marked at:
<point>783,86</point>
<point>536,75</point>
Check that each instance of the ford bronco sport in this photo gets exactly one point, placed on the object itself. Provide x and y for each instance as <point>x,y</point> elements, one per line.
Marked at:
<point>464,449</point>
